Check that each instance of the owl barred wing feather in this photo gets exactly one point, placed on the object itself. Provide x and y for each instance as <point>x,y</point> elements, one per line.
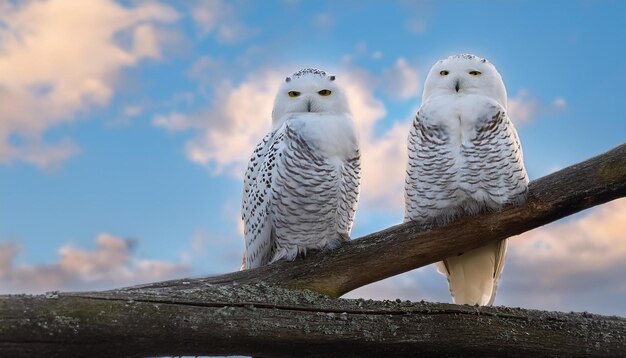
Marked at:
<point>496,153</point>
<point>348,195</point>
<point>302,183</point>
<point>494,160</point>
<point>258,155</point>
<point>298,179</point>
<point>464,158</point>
<point>298,199</point>
<point>256,202</point>
<point>493,174</point>
<point>313,197</point>
<point>430,172</point>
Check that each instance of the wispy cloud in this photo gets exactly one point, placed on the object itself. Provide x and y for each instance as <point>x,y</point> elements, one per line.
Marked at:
<point>422,12</point>
<point>110,265</point>
<point>416,26</point>
<point>132,110</point>
<point>402,81</point>
<point>230,127</point>
<point>575,264</point>
<point>219,18</point>
<point>215,253</point>
<point>361,51</point>
<point>323,21</point>
<point>85,45</point>
<point>523,108</point>
<point>240,115</point>
<point>207,70</point>
<point>556,266</point>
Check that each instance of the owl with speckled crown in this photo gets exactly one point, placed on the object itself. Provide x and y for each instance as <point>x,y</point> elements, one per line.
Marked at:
<point>302,183</point>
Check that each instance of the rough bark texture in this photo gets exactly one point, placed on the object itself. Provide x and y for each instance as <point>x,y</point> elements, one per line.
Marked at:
<point>262,320</point>
<point>405,247</point>
<point>257,312</point>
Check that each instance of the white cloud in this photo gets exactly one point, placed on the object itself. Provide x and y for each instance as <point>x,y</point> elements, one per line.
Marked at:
<point>62,57</point>
<point>176,122</point>
<point>132,110</point>
<point>595,242</point>
<point>384,169</point>
<point>207,70</point>
<point>218,18</point>
<point>110,265</point>
<point>575,264</point>
<point>44,155</point>
<point>523,108</point>
<point>383,155</point>
<point>323,21</point>
<point>146,42</point>
<point>8,250</point>
<point>361,51</point>
<point>241,115</point>
<point>559,103</point>
<point>401,81</point>
<point>215,253</point>
<point>419,11</point>
<point>416,26</point>
<point>360,48</point>
<point>238,119</point>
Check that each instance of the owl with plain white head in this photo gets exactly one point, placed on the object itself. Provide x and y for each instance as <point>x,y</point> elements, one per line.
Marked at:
<point>464,157</point>
<point>302,183</point>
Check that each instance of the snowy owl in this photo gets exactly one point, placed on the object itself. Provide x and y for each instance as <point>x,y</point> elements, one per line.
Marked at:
<point>302,183</point>
<point>464,157</point>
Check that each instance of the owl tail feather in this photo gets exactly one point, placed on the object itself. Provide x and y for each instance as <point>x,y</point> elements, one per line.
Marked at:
<point>473,275</point>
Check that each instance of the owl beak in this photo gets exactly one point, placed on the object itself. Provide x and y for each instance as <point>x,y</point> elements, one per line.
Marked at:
<point>308,106</point>
<point>457,86</point>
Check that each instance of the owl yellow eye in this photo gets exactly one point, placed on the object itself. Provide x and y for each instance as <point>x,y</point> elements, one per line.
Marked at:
<point>444,73</point>
<point>324,93</point>
<point>293,93</point>
<point>475,73</point>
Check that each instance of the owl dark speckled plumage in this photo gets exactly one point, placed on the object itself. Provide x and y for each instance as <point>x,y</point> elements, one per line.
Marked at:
<point>302,183</point>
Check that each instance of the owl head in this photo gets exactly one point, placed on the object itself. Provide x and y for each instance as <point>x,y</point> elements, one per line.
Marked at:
<point>464,74</point>
<point>309,90</point>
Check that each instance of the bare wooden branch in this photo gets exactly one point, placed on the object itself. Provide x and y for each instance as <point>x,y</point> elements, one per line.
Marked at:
<point>405,247</point>
<point>257,312</point>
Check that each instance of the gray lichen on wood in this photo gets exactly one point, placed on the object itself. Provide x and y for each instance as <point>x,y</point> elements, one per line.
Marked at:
<point>261,319</point>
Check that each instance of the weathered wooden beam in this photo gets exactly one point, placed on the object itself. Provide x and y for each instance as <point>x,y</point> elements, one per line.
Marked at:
<point>263,320</point>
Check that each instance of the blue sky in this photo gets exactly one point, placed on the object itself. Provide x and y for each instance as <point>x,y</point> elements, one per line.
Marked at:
<point>125,127</point>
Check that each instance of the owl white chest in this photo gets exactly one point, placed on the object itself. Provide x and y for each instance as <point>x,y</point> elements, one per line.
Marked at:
<point>333,136</point>
<point>458,114</point>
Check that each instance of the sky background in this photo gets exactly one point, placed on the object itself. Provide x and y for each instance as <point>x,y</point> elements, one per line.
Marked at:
<point>126,126</point>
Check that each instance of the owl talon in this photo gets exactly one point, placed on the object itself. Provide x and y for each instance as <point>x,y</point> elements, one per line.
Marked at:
<point>343,237</point>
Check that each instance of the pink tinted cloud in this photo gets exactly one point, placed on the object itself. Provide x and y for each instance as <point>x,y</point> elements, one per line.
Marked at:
<point>578,263</point>
<point>45,81</point>
<point>110,265</point>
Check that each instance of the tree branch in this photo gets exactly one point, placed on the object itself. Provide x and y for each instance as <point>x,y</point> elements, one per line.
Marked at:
<point>405,247</point>
<point>237,314</point>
